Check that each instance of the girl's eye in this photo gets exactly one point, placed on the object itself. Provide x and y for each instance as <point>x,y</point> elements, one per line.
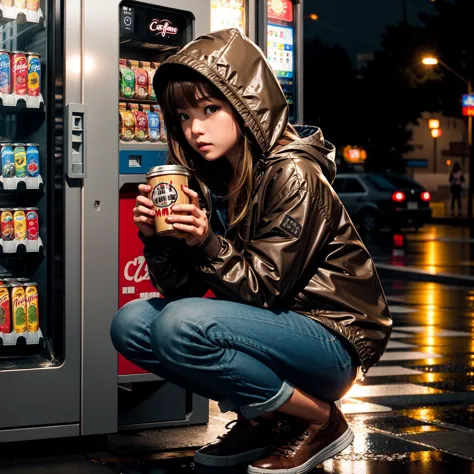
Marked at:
<point>211,109</point>
<point>183,117</point>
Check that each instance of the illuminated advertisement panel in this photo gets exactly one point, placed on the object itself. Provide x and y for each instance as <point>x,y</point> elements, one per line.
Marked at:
<point>281,46</point>
<point>280,10</point>
<point>280,50</point>
<point>228,14</point>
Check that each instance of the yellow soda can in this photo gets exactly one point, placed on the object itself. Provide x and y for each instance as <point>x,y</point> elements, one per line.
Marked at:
<point>19,223</point>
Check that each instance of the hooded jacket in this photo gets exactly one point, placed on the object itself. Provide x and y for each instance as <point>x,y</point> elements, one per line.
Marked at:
<point>297,248</point>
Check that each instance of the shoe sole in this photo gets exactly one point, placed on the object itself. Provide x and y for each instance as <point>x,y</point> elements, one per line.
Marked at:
<point>328,452</point>
<point>232,460</point>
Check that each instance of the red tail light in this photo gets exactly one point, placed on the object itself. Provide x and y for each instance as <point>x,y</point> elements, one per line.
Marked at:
<point>398,196</point>
<point>426,196</point>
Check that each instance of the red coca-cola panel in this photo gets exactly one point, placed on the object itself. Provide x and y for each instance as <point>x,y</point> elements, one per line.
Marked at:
<point>134,280</point>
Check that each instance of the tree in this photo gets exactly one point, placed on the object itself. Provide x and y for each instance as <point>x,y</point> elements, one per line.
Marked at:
<point>329,85</point>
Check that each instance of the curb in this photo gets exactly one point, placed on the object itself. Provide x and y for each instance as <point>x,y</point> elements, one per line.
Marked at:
<point>415,274</point>
<point>455,222</point>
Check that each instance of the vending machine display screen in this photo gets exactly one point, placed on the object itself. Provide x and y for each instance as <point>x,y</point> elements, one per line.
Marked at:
<point>228,14</point>
<point>280,50</point>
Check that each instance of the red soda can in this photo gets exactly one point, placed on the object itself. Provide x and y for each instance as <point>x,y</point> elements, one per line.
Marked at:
<point>7,229</point>
<point>19,73</point>
<point>32,223</point>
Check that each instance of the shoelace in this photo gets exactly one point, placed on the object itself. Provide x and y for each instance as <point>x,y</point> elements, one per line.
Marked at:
<point>289,435</point>
<point>232,431</point>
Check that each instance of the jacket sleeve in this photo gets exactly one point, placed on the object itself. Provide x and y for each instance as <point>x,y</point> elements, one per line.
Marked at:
<point>170,271</point>
<point>293,225</point>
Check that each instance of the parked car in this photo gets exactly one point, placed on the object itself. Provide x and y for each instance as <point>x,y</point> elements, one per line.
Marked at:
<point>376,200</point>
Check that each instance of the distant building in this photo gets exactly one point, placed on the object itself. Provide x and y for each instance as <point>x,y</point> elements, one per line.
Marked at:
<point>363,60</point>
<point>430,157</point>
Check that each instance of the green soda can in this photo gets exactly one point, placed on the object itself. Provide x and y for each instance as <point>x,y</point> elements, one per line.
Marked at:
<point>127,83</point>
<point>19,154</point>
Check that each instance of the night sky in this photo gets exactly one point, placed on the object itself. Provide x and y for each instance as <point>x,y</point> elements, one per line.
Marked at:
<point>357,24</point>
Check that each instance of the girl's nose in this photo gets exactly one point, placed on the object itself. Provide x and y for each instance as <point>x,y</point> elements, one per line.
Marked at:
<point>197,127</point>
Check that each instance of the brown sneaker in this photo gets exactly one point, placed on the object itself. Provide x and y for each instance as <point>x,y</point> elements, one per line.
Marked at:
<point>243,444</point>
<point>300,446</point>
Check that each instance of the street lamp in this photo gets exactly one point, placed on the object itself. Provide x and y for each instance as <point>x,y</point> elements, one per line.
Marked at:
<point>433,61</point>
<point>433,125</point>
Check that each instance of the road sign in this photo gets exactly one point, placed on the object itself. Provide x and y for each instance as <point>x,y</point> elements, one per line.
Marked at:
<point>468,105</point>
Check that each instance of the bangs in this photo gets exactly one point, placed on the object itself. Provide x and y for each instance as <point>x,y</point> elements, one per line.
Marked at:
<point>183,91</point>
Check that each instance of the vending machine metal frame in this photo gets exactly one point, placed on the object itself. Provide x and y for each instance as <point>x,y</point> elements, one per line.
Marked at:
<point>44,401</point>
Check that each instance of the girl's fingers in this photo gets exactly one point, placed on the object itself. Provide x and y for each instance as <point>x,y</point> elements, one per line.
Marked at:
<point>191,208</point>
<point>191,220</point>
<point>187,229</point>
<point>145,201</point>
<point>193,195</point>
<point>144,220</point>
<point>144,210</point>
<point>144,189</point>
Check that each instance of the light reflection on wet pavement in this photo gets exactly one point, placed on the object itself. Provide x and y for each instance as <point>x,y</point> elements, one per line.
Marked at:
<point>434,248</point>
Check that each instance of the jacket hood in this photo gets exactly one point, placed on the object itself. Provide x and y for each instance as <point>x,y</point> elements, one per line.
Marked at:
<point>238,68</point>
<point>313,146</point>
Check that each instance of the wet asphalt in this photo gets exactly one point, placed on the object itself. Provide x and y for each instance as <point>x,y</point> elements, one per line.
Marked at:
<point>413,413</point>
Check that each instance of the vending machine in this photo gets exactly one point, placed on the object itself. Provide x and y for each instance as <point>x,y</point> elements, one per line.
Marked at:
<point>40,328</point>
<point>79,128</point>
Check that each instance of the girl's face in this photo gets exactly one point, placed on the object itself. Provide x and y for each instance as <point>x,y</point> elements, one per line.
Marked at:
<point>211,129</point>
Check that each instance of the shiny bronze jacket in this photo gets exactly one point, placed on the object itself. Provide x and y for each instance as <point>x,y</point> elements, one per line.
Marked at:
<point>297,248</point>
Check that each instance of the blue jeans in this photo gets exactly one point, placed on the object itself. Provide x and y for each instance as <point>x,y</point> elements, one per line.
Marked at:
<point>249,359</point>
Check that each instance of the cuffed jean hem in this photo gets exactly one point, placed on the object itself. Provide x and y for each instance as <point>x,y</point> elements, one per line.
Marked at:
<point>257,409</point>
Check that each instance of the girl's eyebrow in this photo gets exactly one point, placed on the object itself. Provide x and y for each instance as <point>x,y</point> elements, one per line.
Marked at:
<point>204,99</point>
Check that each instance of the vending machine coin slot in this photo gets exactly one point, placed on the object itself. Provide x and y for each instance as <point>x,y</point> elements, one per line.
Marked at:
<point>135,161</point>
<point>76,145</point>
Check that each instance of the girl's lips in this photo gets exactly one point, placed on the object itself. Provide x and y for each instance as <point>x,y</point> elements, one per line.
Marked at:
<point>204,146</point>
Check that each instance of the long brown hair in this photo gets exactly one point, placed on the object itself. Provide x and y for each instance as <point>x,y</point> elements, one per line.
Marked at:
<point>180,92</point>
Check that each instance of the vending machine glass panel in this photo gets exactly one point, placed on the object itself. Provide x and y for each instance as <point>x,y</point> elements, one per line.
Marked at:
<point>31,330</point>
<point>228,14</point>
<point>148,35</point>
<point>281,47</point>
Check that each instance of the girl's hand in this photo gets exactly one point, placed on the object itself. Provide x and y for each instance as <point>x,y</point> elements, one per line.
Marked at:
<point>192,228</point>
<point>143,212</point>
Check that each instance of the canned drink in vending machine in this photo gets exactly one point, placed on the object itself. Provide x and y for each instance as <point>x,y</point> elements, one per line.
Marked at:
<point>5,72</point>
<point>7,228</point>
<point>8,160</point>
<point>19,223</point>
<point>20,4</point>
<point>34,74</point>
<point>18,307</point>
<point>32,223</point>
<point>31,296</point>
<point>5,311</point>
<point>19,152</point>
<point>19,73</point>
<point>32,5</point>
<point>32,160</point>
